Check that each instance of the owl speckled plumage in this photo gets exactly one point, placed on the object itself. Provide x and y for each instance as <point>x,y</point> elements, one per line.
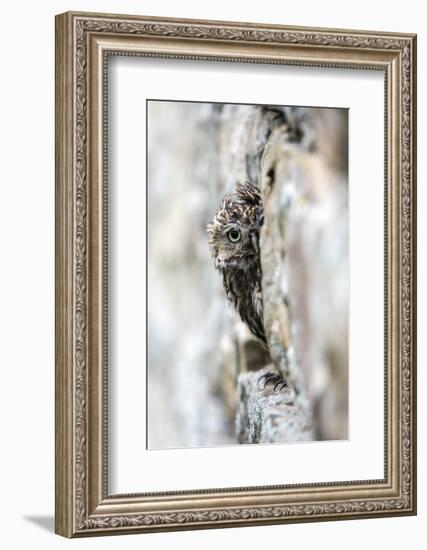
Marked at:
<point>234,244</point>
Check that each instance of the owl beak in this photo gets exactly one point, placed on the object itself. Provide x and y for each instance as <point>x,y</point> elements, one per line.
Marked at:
<point>255,241</point>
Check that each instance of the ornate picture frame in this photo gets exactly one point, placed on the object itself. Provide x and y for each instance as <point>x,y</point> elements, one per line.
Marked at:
<point>84,506</point>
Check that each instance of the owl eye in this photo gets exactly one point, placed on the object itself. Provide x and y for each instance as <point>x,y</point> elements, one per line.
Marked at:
<point>234,235</point>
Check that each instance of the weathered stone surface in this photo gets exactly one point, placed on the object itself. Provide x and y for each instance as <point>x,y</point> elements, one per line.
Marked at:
<point>305,267</point>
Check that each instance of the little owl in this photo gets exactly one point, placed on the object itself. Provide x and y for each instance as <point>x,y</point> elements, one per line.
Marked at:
<point>234,244</point>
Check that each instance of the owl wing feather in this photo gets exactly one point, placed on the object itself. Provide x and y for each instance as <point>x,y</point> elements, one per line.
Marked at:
<point>246,298</point>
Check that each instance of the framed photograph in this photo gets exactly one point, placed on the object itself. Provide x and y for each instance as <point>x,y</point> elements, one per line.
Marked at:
<point>235,274</point>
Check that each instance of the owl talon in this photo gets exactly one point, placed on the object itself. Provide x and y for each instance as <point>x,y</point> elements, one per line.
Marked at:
<point>281,384</point>
<point>275,379</point>
<point>269,377</point>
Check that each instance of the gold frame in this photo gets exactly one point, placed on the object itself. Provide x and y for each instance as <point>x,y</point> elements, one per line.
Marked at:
<point>83,43</point>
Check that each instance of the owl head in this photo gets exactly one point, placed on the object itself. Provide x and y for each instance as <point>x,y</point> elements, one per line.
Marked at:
<point>234,231</point>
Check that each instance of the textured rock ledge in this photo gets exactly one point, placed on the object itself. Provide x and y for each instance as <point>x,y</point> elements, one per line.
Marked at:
<point>266,416</point>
